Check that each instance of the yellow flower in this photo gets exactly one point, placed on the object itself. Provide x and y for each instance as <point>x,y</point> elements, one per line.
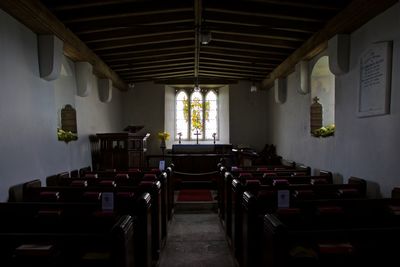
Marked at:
<point>66,136</point>
<point>163,136</point>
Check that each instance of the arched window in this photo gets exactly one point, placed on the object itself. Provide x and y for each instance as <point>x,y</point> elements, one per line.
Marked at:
<point>196,115</point>
<point>323,95</point>
<point>211,111</point>
<point>181,115</point>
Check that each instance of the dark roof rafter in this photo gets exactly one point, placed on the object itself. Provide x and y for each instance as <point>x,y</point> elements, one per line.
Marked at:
<point>353,16</point>
<point>157,40</point>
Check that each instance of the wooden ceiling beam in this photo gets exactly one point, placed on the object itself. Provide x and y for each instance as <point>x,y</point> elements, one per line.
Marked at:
<point>82,7</point>
<point>233,69</point>
<point>271,11</point>
<point>169,76</point>
<point>197,23</point>
<point>153,66</point>
<point>121,38</point>
<point>357,13</point>
<point>160,75</point>
<point>221,44</point>
<point>254,40</point>
<point>111,33</point>
<point>233,66</point>
<point>221,76</point>
<point>148,58</point>
<point>132,42</point>
<point>236,60</point>
<point>274,23</point>
<point>258,31</point>
<point>260,36</point>
<point>40,20</point>
<point>238,74</point>
<point>147,55</point>
<point>153,62</point>
<point>159,20</point>
<point>144,48</point>
<point>333,5</point>
<point>204,81</point>
<point>79,16</point>
<point>249,54</point>
<point>63,5</point>
<point>242,55</point>
<point>226,75</point>
<point>137,72</point>
<point>131,30</point>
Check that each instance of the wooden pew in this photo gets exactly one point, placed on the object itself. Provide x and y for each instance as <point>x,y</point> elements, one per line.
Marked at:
<point>131,177</point>
<point>53,234</point>
<point>395,192</point>
<point>250,201</point>
<point>170,191</point>
<point>357,232</point>
<point>84,170</point>
<point>74,173</point>
<point>142,202</point>
<point>271,179</point>
<point>125,178</point>
<point>221,192</point>
<point>264,178</point>
<point>226,176</point>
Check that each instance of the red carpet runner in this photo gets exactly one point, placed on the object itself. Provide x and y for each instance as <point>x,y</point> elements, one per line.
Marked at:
<point>195,195</point>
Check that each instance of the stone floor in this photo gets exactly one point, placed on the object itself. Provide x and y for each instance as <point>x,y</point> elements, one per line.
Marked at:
<point>196,240</point>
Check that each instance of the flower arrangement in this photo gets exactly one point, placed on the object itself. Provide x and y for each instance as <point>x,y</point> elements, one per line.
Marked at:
<point>66,136</point>
<point>163,136</point>
<point>326,131</point>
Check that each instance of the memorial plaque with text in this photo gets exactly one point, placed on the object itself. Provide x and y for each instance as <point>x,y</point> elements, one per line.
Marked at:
<point>375,80</point>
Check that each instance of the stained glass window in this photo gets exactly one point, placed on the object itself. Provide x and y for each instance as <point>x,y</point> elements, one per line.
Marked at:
<point>211,111</point>
<point>181,116</point>
<point>196,115</point>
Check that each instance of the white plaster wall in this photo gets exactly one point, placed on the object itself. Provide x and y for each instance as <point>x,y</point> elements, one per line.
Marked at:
<point>93,116</point>
<point>362,147</point>
<point>169,121</point>
<point>224,118</point>
<point>29,110</point>
<point>247,115</point>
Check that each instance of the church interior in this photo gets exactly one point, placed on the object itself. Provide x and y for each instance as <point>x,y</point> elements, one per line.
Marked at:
<point>199,133</point>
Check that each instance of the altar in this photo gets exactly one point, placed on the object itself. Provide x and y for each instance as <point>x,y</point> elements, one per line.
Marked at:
<point>201,149</point>
<point>198,162</point>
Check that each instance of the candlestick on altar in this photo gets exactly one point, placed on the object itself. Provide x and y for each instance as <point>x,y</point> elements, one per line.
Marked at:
<point>179,137</point>
<point>163,146</point>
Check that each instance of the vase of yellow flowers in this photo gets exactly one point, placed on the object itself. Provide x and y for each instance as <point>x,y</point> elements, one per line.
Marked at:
<point>163,136</point>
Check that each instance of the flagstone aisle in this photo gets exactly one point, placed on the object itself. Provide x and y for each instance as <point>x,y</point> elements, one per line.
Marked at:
<point>196,240</point>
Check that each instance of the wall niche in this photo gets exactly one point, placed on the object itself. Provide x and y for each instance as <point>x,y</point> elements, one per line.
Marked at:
<point>322,109</point>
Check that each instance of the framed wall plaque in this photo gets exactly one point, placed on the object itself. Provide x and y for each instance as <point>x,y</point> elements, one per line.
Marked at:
<point>68,119</point>
<point>375,80</point>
